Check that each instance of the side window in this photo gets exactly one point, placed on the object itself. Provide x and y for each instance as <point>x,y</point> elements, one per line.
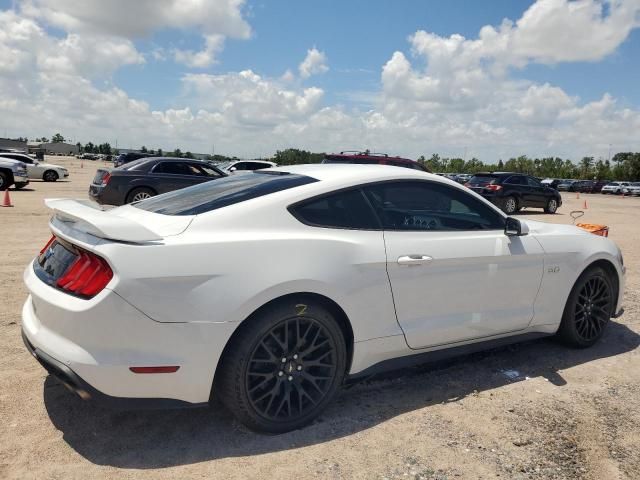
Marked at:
<point>257,165</point>
<point>347,209</point>
<point>515,180</point>
<point>240,166</point>
<point>430,206</point>
<point>532,182</point>
<point>174,168</point>
<point>208,171</point>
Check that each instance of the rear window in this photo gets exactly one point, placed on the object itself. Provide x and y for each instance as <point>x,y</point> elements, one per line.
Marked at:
<point>482,179</point>
<point>215,194</point>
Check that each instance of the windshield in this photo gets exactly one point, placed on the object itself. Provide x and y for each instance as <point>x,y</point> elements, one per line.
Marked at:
<point>221,193</point>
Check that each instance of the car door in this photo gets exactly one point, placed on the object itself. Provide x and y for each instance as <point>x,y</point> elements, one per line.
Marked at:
<point>454,274</point>
<point>516,185</point>
<point>537,193</point>
<point>32,165</point>
<point>173,175</point>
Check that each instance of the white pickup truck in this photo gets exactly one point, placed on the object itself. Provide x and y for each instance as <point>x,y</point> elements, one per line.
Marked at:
<point>12,172</point>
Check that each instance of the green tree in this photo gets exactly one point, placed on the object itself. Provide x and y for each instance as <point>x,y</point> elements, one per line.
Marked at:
<point>79,145</point>
<point>188,154</point>
<point>143,149</point>
<point>160,152</point>
<point>500,164</point>
<point>585,167</point>
<point>57,138</point>
<point>177,153</point>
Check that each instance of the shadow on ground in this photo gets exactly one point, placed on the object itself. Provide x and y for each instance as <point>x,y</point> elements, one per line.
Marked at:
<point>156,439</point>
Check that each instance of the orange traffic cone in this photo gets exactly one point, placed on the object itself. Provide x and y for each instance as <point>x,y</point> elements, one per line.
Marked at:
<point>584,207</point>
<point>81,165</point>
<point>7,199</point>
<point>578,195</point>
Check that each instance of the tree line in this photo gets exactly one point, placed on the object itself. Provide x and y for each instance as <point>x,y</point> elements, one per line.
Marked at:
<point>622,166</point>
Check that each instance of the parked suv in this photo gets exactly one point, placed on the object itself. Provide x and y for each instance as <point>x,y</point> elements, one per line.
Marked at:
<point>12,172</point>
<point>614,187</point>
<point>513,191</point>
<point>575,186</point>
<point>372,158</point>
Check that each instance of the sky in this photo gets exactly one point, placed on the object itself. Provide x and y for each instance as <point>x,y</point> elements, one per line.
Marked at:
<point>459,78</point>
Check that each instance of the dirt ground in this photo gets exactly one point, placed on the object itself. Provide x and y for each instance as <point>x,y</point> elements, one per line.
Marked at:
<point>535,410</point>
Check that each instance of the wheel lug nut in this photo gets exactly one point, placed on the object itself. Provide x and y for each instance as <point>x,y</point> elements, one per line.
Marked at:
<point>280,373</point>
<point>290,378</point>
<point>295,356</point>
<point>299,367</point>
<point>284,360</point>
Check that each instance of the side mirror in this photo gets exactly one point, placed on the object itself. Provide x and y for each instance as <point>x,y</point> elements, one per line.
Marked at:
<point>514,228</point>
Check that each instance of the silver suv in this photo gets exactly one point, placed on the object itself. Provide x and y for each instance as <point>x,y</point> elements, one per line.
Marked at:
<point>12,172</point>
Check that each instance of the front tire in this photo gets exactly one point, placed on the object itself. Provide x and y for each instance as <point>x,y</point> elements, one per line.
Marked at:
<point>588,309</point>
<point>509,205</point>
<point>283,367</point>
<point>50,176</point>
<point>552,206</point>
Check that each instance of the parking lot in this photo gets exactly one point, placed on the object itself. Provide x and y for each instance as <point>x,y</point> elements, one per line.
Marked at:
<point>535,410</point>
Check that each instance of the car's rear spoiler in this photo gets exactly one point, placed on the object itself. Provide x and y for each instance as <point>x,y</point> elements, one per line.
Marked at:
<point>98,222</point>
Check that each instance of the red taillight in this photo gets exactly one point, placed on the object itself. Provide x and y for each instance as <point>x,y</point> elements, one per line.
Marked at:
<point>86,276</point>
<point>106,179</point>
<point>51,240</point>
<point>167,369</point>
<point>493,188</point>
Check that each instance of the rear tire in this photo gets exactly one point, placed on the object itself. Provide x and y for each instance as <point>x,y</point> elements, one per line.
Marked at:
<point>140,193</point>
<point>50,176</point>
<point>509,205</point>
<point>268,394</point>
<point>4,181</point>
<point>552,206</point>
<point>588,310</point>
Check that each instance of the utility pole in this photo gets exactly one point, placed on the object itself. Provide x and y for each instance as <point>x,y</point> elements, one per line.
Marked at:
<point>609,157</point>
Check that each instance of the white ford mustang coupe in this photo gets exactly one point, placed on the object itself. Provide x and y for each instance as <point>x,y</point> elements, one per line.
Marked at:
<point>271,289</point>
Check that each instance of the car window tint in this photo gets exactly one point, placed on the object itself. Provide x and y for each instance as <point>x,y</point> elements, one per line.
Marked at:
<point>346,209</point>
<point>532,182</point>
<point>515,180</point>
<point>225,191</point>
<point>174,168</point>
<point>209,171</point>
<point>430,206</point>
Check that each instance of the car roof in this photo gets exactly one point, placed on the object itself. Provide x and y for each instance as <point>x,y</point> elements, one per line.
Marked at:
<point>337,175</point>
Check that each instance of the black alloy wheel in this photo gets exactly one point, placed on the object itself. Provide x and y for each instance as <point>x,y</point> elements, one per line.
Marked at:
<point>282,367</point>
<point>588,310</point>
<point>291,369</point>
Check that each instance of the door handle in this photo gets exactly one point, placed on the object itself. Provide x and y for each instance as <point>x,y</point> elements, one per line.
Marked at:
<point>414,260</point>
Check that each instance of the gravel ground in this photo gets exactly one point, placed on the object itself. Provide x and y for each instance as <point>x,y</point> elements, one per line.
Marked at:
<point>534,410</point>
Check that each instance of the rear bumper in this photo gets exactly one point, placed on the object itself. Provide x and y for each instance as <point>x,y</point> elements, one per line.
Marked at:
<point>98,340</point>
<point>23,179</point>
<point>77,385</point>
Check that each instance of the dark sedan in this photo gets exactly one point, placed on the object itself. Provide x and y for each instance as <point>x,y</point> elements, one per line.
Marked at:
<point>147,177</point>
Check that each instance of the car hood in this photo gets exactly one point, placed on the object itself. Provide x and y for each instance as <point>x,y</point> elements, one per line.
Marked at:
<point>543,228</point>
<point>51,165</point>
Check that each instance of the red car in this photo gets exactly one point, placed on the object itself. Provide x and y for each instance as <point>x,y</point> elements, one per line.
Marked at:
<point>372,158</point>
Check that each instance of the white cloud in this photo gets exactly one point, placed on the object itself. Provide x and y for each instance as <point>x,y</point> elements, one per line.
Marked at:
<point>205,57</point>
<point>314,63</point>
<point>446,94</point>
<point>137,18</point>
